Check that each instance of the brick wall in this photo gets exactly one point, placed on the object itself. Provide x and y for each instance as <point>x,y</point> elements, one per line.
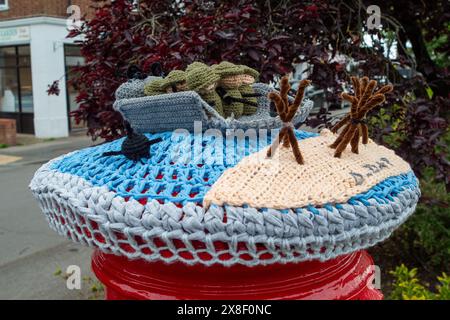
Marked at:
<point>8,132</point>
<point>52,8</point>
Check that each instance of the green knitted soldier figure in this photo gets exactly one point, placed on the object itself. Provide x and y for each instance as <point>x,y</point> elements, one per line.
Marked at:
<point>203,80</point>
<point>194,65</point>
<point>154,87</point>
<point>248,93</point>
<point>229,83</point>
<point>175,82</point>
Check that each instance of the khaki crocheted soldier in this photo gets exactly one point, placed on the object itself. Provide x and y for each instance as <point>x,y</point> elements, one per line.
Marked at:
<point>154,87</point>
<point>203,80</point>
<point>194,65</point>
<point>175,82</point>
<point>228,89</point>
<point>249,95</point>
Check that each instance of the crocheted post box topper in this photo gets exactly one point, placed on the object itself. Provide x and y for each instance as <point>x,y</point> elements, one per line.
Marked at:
<point>154,209</point>
<point>249,210</point>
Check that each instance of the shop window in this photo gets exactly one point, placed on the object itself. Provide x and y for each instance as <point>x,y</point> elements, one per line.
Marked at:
<point>16,91</point>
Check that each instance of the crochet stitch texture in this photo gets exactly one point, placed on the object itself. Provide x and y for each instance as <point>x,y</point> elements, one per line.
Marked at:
<point>201,77</point>
<point>168,112</point>
<point>152,210</point>
<point>133,88</point>
<point>177,79</point>
<point>212,197</point>
<point>280,183</point>
<point>154,87</point>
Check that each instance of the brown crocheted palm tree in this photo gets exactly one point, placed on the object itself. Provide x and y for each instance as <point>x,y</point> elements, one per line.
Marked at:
<point>287,112</point>
<point>363,100</point>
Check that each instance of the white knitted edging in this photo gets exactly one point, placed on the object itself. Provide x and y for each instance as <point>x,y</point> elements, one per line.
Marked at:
<point>73,207</point>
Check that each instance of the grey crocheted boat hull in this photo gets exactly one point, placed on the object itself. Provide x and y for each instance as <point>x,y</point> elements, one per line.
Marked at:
<point>180,110</point>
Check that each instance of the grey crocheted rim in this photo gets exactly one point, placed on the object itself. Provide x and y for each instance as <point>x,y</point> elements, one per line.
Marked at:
<point>97,217</point>
<point>168,112</point>
<point>133,88</point>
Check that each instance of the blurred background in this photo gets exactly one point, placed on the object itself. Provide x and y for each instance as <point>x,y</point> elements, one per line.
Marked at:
<point>61,61</point>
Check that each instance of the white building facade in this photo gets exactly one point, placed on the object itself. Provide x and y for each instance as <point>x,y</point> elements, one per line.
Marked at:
<point>34,52</point>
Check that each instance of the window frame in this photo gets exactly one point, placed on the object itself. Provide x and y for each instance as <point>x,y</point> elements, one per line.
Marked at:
<point>4,7</point>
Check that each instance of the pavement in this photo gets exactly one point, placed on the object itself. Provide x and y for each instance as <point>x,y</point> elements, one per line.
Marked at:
<point>33,258</point>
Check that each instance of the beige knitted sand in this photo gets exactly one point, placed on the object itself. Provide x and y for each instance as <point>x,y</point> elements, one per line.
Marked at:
<point>281,183</point>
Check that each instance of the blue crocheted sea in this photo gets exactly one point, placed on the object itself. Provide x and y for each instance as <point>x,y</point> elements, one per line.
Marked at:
<point>183,167</point>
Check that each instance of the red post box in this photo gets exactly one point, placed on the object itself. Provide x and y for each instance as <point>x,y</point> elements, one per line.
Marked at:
<point>348,277</point>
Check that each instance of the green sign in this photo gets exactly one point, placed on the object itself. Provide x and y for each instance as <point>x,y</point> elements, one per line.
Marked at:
<point>14,34</point>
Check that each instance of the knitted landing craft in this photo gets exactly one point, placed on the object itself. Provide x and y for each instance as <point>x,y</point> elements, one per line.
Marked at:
<point>180,110</point>
<point>222,96</point>
<point>154,209</point>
